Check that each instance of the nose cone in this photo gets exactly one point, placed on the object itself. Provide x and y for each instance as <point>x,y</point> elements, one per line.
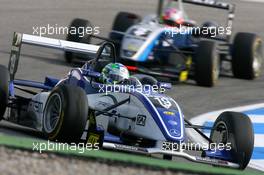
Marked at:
<point>173,122</point>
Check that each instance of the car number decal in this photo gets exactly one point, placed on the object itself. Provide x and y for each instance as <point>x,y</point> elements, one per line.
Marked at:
<point>165,102</point>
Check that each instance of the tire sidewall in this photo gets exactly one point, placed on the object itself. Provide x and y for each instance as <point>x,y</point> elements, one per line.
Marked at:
<point>4,90</point>
<point>73,116</point>
<point>57,129</point>
<point>243,55</point>
<point>240,134</point>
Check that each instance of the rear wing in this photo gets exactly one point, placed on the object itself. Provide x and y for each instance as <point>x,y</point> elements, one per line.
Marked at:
<point>212,4</point>
<point>19,39</point>
<point>206,3</point>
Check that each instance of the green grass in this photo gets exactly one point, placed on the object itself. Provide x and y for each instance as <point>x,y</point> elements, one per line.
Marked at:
<point>27,143</point>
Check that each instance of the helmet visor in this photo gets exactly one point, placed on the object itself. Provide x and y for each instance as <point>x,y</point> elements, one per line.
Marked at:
<point>116,78</point>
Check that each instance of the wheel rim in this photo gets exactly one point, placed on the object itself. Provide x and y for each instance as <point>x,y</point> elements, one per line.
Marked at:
<point>52,113</point>
<point>215,70</point>
<point>220,134</point>
<point>258,59</point>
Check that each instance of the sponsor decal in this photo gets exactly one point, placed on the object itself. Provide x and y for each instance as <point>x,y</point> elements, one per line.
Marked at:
<point>132,47</point>
<point>93,138</point>
<point>168,113</point>
<point>126,147</point>
<point>183,76</point>
<point>174,132</point>
<point>172,122</point>
<point>213,161</point>
<point>130,148</point>
<point>141,32</point>
<point>141,120</point>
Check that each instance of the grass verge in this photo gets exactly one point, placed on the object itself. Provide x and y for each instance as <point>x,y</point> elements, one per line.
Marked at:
<point>27,143</point>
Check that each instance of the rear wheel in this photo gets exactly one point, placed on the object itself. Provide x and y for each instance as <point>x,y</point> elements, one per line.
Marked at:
<point>122,22</point>
<point>77,25</point>
<point>207,64</point>
<point>65,114</point>
<point>4,90</point>
<point>247,56</point>
<point>236,129</point>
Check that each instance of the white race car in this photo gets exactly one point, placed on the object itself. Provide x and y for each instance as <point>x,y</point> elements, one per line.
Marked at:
<point>143,121</point>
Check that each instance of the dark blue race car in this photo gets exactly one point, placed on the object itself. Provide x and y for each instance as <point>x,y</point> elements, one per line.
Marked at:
<point>169,44</point>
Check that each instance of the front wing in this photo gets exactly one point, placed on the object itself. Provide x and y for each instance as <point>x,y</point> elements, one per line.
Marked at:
<point>150,151</point>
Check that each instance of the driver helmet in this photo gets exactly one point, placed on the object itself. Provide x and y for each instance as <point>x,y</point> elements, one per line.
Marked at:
<point>172,16</point>
<point>114,73</point>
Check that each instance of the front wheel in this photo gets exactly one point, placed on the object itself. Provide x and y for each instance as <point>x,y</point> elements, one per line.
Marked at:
<point>235,129</point>
<point>65,114</point>
<point>207,64</point>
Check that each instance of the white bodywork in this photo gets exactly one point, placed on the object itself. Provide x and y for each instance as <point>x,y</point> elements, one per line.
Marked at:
<point>100,102</point>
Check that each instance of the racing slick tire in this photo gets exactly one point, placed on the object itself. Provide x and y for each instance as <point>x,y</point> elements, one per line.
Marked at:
<point>207,64</point>
<point>4,90</point>
<point>247,56</point>
<point>122,22</point>
<point>236,129</point>
<point>65,114</point>
<point>76,37</point>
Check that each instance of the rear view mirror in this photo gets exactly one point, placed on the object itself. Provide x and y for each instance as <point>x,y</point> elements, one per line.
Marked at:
<point>90,73</point>
<point>164,85</point>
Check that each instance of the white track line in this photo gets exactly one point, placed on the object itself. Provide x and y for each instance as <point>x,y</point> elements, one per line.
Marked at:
<point>257,164</point>
<point>256,118</point>
<point>259,140</point>
<point>261,1</point>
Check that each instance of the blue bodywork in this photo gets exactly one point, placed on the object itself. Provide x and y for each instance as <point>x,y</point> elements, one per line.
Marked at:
<point>158,41</point>
<point>219,154</point>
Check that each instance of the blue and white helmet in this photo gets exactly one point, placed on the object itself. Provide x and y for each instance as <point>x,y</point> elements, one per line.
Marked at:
<point>114,73</point>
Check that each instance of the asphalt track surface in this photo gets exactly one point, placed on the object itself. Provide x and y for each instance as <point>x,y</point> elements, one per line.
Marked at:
<point>36,63</point>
